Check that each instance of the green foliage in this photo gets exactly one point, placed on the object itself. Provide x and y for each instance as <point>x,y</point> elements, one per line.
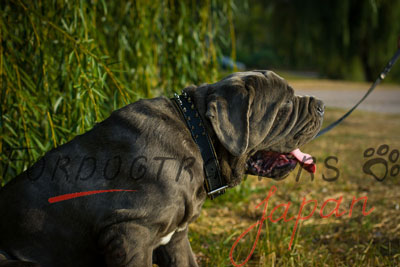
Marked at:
<point>65,65</point>
<point>340,39</point>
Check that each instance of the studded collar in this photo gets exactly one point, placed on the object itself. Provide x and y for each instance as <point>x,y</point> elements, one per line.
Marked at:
<point>214,183</point>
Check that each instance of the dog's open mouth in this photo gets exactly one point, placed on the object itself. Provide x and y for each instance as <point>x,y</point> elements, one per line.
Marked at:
<point>278,165</point>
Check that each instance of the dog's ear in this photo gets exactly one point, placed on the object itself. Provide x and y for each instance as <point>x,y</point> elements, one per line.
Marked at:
<point>228,109</point>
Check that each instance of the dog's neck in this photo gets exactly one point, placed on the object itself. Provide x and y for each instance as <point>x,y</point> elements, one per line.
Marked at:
<point>232,168</point>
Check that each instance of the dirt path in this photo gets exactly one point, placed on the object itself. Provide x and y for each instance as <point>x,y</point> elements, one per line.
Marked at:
<point>385,98</point>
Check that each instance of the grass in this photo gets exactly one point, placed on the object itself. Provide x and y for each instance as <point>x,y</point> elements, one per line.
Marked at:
<point>372,240</point>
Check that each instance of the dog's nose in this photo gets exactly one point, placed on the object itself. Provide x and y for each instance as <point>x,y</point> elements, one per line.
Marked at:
<point>320,107</point>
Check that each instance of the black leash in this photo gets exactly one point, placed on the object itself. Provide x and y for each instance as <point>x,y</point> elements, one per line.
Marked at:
<point>378,80</point>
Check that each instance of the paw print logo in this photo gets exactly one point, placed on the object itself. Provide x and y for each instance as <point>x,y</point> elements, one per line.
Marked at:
<point>384,158</point>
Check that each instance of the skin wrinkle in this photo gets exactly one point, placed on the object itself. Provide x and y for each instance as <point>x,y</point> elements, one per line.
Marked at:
<point>282,135</point>
<point>272,109</point>
<point>311,125</point>
<point>292,120</point>
<point>304,123</point>
<point>280,128</point>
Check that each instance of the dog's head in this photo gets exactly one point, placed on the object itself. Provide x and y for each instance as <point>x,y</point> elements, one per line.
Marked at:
<point>261,124</point>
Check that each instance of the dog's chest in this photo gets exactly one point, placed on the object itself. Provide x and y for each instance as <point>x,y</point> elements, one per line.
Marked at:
<point>165,240</point>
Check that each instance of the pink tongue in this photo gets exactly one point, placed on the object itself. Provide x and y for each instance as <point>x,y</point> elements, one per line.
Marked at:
<point>305,159</point>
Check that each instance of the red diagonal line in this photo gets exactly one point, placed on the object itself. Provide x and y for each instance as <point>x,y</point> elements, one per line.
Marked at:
<point>82,194</point>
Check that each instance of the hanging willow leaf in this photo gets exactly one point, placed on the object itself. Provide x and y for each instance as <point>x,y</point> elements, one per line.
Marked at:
<point>65,65</point>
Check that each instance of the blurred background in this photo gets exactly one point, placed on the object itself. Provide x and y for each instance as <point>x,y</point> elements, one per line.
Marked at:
<point>349,40</point>
<point>65,65</point>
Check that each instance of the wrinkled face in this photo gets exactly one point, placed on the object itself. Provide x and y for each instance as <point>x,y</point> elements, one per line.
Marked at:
<point>297,122</point>
<point>276,125</point>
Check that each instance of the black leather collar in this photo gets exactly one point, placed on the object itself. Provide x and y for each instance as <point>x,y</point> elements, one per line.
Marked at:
<point>214,184</point>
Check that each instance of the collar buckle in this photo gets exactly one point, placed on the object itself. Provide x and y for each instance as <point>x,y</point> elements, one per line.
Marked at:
<point>217,192</point>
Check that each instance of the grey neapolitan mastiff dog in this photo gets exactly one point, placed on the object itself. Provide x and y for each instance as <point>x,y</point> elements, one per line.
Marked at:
<point>256,125</point>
